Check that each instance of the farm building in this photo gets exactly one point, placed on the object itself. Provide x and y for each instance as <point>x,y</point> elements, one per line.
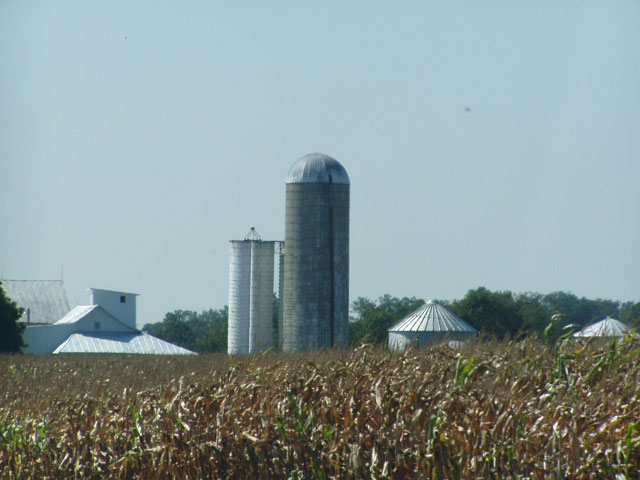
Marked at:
<point>606,328</point>
<point>431,323</point>
<point>108,325</point>
<point>44,301</point>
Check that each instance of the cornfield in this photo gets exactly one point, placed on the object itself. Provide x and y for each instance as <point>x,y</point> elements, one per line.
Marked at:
<point>488,410</point>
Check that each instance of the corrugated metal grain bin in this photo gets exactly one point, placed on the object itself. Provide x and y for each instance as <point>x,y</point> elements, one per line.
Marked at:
<point>431,323</point>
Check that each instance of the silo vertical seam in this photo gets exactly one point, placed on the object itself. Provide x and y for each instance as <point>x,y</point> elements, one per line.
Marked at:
<point>252,298</point>
<point>281,297</point>
<point>332,269</point>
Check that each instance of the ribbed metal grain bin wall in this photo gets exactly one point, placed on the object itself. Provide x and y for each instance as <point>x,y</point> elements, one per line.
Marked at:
<point>316,266</point>
<point>250,296</point>
<point>239,294</point>
<point>401,340</point>
<point>280,296</point>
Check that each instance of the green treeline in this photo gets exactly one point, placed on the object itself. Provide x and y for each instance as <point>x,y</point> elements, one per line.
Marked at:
<point>500,314</point>
<point>496,313</point>
<point>200,332</point>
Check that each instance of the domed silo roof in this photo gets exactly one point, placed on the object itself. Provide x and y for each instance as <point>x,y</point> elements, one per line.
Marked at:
<point>432,317</point>
<point>608,327</point>
<point>317,168</point>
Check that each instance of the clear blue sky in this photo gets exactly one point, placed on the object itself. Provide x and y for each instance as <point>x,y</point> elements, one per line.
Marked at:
<point>138,138</point>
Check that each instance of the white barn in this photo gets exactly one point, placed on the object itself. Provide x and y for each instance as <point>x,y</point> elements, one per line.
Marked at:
<point>431,323</point>
<point>108,325</point>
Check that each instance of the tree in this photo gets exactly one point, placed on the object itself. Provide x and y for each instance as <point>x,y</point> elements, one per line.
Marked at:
<point>204,332</point>
<point>399,307</point>
<point>372,320</point>
<point>176,328</point>
<point>534,317</point>
<point>495,313</point>
<point>11,329</point>
<point>630,314</point>
<point>214,339</point>
<point>581,311</point>
<point>360,306</point>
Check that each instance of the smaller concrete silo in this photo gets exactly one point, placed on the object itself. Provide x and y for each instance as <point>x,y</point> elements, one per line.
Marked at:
<point>251,272</point>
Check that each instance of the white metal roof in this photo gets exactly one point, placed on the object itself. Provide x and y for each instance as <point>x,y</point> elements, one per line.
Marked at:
<point>317,168</point>
<point>119,342</point>
<point>82,311</point>
<point>432,317</point>
<point>46,299</point>
<point>76,314</point>
<point>608,327</point>
<point>112,291</point>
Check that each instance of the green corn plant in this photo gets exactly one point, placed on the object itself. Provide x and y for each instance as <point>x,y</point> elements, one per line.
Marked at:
<point>463,367</point>
<point>176,418</point>
<point>11,434</point>
<point>40,436</point>
<point>137,424</point>
<point>630,441</point>
<point>560,355</point>
<point>556,318</point>
<point>298,417</point>
<point>562,370</point>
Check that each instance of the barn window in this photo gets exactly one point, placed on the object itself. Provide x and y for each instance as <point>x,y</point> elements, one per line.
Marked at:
<point>123,299</point>
<point>96,325</point>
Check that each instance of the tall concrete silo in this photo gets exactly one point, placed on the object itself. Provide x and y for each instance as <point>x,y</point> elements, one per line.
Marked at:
<point>250,295</point>
<point>316,255</point>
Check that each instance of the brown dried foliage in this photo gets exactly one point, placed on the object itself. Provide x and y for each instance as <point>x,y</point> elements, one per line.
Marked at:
<point>490,410</point>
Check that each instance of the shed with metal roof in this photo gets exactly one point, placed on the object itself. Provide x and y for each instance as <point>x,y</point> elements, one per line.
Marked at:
<point>431,323</point>
<point>119,342</point>
<point>98,329</point>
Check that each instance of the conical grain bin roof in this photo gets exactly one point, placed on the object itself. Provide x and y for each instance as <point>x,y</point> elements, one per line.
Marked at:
<point>432,317</point>
<point>609,327</point>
